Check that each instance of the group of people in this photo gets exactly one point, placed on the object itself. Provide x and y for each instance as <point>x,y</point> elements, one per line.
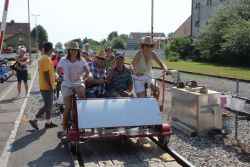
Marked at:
<point>90,75</point>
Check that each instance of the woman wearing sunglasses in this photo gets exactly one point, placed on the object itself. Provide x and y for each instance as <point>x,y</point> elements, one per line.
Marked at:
<point>142,66</point>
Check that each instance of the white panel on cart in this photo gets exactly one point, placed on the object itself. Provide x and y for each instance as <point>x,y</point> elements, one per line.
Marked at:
<point>101,113</point>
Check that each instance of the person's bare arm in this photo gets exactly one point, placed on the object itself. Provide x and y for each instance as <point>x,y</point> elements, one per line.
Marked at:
<point>59,70</point>
<point>159,62</point>
<point>110,72</point>
<point>86,72</point>
<point>135,60</point>
<point>47,77</point>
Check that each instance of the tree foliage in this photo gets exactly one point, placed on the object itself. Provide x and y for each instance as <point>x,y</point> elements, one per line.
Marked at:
<point>42,35</point>
<point>226,39</point>
<point>181,46</point>
<point>112,35</point>
<point>124,36</point>
<point>59,45</point>
<point>118,43</point>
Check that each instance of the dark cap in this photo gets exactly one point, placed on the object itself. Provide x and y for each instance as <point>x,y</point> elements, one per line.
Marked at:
<point>119,54</point>
<point>47,46</point>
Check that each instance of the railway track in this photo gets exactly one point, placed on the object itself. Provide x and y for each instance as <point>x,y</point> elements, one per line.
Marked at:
<point>133,152</point>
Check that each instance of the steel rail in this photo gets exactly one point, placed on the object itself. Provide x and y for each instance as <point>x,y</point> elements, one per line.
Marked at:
<point>179,159</point>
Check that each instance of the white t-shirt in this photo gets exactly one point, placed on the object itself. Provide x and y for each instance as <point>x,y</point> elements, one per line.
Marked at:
<point>90,52</point>
<point>72,72</point>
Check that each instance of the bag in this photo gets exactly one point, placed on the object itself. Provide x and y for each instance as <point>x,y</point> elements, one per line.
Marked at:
<point>29,75</point>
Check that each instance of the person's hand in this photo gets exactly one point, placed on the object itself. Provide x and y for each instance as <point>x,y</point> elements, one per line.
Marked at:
<point>166,72</point>
<point>59,79</point>
<point>89,78</point>
<point>113,65</point>
<point>102,81</point>
<point>50,88</point>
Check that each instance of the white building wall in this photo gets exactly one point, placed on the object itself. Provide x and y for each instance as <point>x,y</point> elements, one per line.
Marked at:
<point>201,12</point>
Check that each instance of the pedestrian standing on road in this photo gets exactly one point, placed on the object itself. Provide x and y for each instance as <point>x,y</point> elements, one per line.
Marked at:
<point>73,69</point>
<point>22,69</point>
<point>47,86</point>
<point>142,66</point>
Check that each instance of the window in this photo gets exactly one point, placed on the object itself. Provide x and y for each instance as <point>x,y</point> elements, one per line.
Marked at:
<point>197,23</point>
<point>197,5</point>
<point>209,2</point>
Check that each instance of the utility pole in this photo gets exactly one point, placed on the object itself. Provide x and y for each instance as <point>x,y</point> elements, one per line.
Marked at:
<point>152,19</point>
<point>3,24</point>
<point>29,30</point>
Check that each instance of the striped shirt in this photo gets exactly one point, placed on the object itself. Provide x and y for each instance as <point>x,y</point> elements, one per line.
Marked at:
<point>121,80</point>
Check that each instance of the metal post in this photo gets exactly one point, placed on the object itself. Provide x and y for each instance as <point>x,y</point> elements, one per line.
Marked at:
<point>152,19</point>
<point>36,32</point>
<point>3,24</point>
<point>29,31</point>
<point>236,112</point>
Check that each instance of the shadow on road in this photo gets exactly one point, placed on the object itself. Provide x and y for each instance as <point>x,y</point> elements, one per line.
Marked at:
<point>54,157</point>
<point>11,100</point>
<point>26,140</point>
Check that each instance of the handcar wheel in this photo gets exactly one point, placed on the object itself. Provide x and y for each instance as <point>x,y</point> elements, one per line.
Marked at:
<point>163,140</point>
<point>74,146</point>
<point>61,108</point>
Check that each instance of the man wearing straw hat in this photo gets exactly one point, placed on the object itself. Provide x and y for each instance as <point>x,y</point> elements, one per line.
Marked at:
<point>96,85</point>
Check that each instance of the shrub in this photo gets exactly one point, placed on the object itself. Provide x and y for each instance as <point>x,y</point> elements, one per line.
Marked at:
<point>173,57</point>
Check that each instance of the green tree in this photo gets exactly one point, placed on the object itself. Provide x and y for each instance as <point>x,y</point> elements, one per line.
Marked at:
<point>112,35</point>
<point>226,39</point>
<point>182,46</point>
<point>124,36</point>
<point>58,45</point>
<point>118,43</point>
<point>85,40</point>
<point>42,35</point>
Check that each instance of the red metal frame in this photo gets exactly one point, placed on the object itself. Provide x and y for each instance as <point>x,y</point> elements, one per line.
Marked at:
<point>76,134</point>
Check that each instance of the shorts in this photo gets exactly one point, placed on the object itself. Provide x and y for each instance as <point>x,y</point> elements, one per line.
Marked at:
<point>71,90</point>
<point>139,82</point>
<point>22,75</point>
<point>48,99</point>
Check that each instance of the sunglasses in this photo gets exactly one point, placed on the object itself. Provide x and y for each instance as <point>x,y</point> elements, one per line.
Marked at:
<point>148,46</point>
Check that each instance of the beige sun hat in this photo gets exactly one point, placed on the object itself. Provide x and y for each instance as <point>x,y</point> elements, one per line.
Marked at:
<point>73,45</point>
<point>147,41</point>
<point>86,44</point>
<point>101,54</point>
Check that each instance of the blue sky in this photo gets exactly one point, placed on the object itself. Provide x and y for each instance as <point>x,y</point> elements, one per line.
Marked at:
<point>65,20</point>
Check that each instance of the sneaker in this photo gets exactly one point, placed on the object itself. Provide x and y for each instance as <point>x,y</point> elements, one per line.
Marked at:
<point>34,124</point>
<point>50,125</point>
<point>62,134</point>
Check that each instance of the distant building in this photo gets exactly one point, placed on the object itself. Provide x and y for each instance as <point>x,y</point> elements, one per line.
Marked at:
<point>183,31</point>
<point>136,37</point>
<point>201,12</point>
<point>17,34</point>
